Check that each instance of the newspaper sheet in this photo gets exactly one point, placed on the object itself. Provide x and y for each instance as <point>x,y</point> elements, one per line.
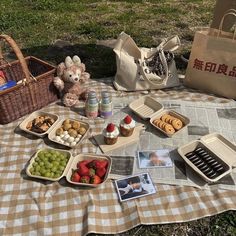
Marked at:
<point>204,118</point>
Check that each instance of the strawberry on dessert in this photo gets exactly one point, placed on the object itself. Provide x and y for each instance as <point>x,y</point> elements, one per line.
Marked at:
<point>111,133</point>
<point>127,126</point>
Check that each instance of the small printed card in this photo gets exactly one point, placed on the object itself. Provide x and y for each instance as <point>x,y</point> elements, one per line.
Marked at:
<point>135,186</point>
<point>154,159</point>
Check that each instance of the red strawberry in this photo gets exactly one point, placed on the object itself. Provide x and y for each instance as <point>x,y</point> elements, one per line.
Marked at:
<point>127,119</point>
<point>91,172</point>
<point>96,164</point>
<point>103,163</point>
<point>110,127</point>
<point>95,180</point>
<point>75,177</point>
<point>84,162</point>
<point>83,170</point>
<point>84,179</point>
<point>101,172</point>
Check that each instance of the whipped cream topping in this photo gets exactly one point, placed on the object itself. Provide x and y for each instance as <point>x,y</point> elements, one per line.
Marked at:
<point>112,134</point>
<point>127,126</point>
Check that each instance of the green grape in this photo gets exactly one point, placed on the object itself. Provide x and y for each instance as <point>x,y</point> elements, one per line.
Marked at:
<point>41,163</point>
<point>61,168</point>
<point>63,163</point>
<point>57,175</point>
<point>48,155</point>
<point>37,159</point>
<point>37,173</point>
<point>31,170</point>
<point>34,164</point>
<point>54,169</point>
<point>51,175</point>
<point>40,154</point>
<point>43,171</point>
<point>37,168</point>
<point>55,163</point>
<point>60,156</point>
<point>48,174</point>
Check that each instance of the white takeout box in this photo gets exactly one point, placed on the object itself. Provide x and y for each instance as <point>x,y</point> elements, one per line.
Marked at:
<point>51,132</point>
<point>34,115</point>
<point>223,150</point>
<point>71,165</point>
<point>149,108</point>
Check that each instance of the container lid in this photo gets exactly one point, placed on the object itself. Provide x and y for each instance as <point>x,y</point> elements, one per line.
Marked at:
<point>146,107</point>
<point>225,149</point>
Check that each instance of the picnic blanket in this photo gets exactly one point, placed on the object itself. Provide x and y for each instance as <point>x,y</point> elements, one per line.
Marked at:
<point>34,207</point>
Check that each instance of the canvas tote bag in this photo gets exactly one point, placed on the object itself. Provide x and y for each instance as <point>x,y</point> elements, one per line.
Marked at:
<point>143,68</point>
<point>212,63</point>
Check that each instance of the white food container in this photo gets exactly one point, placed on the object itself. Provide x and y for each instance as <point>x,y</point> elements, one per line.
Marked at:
<point>71,165</point>
<point>222,150</point>
<point>148,108</point>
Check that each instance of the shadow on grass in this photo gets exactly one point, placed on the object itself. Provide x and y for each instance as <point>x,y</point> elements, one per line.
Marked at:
<point>99,60</point>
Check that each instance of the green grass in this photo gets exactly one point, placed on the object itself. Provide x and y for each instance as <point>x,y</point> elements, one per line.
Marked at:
<point>37,24</point>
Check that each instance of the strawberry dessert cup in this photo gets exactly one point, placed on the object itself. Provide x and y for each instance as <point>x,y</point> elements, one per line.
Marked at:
<point>127,126</point>
<point>111,133</point>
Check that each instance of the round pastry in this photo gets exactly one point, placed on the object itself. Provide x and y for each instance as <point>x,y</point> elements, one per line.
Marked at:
<point>75,125</point>
<point>67,121</point>
<point>162,125</point>
<point>82,131</point>
<point>110,133</point>
<point>156,122</point>
<point>72,133</point>
<point>127,126</point>
<point>67,126</point>
<point>169,129</point>
<point>59,131</point>
<point>177,124</point>
<point>165,117</point>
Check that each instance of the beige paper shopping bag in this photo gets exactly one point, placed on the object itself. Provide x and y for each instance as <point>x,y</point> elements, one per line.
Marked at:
<point>212,63</point>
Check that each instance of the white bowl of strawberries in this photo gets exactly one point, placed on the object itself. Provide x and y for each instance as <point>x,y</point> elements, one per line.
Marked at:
<point>89,170</point>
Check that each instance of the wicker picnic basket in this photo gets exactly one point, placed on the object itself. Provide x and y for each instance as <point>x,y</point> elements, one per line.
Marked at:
<point>36,89</point>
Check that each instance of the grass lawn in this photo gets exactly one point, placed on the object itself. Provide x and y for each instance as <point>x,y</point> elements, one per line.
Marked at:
<point>52,29</point>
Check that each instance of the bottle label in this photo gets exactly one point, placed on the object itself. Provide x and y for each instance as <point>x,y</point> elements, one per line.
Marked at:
<point>91,110</point>
<point>105,110</point>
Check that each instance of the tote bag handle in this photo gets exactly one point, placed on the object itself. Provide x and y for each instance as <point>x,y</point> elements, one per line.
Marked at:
<point>230,12</point>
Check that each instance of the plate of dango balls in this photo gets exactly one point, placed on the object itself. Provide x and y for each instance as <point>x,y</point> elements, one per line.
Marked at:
<point>69,132</point>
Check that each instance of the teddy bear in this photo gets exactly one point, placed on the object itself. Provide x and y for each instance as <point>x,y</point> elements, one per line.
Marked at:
<point>70,78</point>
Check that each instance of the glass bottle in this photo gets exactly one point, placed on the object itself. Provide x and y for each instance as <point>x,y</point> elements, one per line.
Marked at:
<point>105,105</point>
<point>91,105</point>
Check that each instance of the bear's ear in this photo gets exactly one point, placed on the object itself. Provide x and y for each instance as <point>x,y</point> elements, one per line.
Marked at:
<point>84,77</point>
<point>68,62</point>
<point>76,60</point>
<point>60,69</point>
<point>82,67</point>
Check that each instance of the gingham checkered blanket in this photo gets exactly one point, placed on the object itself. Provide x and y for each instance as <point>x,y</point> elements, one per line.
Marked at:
<point>34,207</point>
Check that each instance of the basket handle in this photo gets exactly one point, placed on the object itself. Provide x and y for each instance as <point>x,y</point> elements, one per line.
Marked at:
<point>18,53</point>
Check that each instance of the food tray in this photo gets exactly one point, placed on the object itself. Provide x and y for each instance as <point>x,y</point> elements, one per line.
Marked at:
<point>224,148</point>
<point>71,164</point>
<point>145,107</point>
<point>82,157</point>
<point>184,119</point>
<point>149,108</point>
<point>52,134</point>
<point>32,160</point>
<point>216,156</point>
<point>35,115</point>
